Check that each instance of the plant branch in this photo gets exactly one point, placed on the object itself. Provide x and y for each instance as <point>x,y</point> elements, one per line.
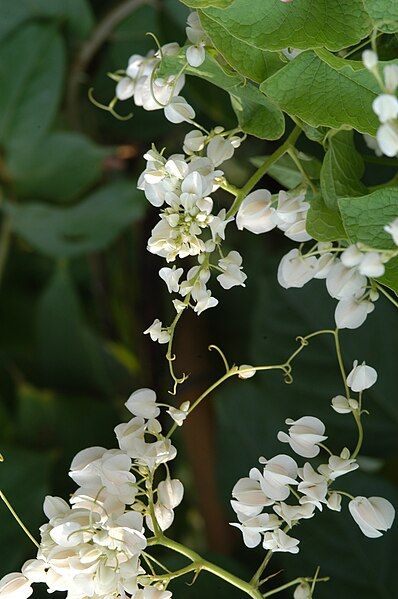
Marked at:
<point>89,49</point>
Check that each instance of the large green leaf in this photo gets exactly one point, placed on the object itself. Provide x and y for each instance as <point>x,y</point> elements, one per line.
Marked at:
<point>364,220</point>
<point>323,89</point>
<point>273,25</point>
<point>342,169</point>
<point>365,217</point>
<point>77,14</point>
<point>61,167</point>
<point>31,78</point>
<point>249,61</point>
<point>384,14</point>
<point>257,115</point>
<point>324,223</point>
<point>88,226</point>
<point>70,355</point>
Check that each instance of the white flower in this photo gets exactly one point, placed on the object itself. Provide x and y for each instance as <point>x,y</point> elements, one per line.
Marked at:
<point>304,435</point>
<point>342,405</point>
<point>386,107</point>
<point>369,59</point>
<point>344,283</point>
<point>334,501</point>
<point>130,436</point>
<point>218,224</point>
<point>204,301</point>
<point>35,570</point>
<point>325,263</point>
<point>391,77</point>
<point>387,138</point>
<point>352,313</point>
<point>295,270</point>
<point>170,493</point>
<point>252,527</point>
<point>15,586</point>
<point>351,256</point>
<point>280,541</point>
<point>337,466</point>
<point>219,150</point>
<point>179,414</point>
<point>194,141</point>
<point>178,110</point>
<point>156,332</point>
<point>279,472</point>
<point>255,213</point>
<point>125,88</point>
<point>233,273</point>
<point>303,590</point>
<point>250,498</point>
<point>374,515</point>
<point>171,277</point>
<point>372,265</point>
<point>196,54</point>
<point>392,229</point>
<point>142,403</point>
<point>361,377</point>
<point>291,214</point>
<point>294,513</point>
<point>313,486</point>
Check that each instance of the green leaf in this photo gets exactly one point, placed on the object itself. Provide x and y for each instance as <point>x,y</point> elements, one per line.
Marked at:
<point>47,420</point>
<point>342,169</point>
<point>255,116</point>
<point>77,14</point>
<point>364,220</point>
<point>384,14</point>
<point>322,89</point>
<point>285,170</point>
<point>63,166</point>
<point>25,482</point>
<point>390,277</point>
<point>249,61</point>
<point>273,25</point>
<point>89,226</point>
<point>70,355</point>
<point>324,223</point>
<point>31,81</point>
<point>365,217</point>
<point>204,3</point>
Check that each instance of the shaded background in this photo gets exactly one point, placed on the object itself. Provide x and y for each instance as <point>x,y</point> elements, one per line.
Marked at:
<point>78,288</point>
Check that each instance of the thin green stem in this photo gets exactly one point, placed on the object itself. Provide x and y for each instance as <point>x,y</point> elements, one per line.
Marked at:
<point>18,519</point>
<point>260,172</point>
<point>203,564</point>
<point>387,295</point>
<point>256,578</point>
<point>341,362</point>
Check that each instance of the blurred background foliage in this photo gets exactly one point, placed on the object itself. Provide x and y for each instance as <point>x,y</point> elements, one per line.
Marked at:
<point>78,288</point>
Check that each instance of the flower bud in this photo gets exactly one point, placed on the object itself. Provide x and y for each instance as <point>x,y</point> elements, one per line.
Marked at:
<point>369,59</point>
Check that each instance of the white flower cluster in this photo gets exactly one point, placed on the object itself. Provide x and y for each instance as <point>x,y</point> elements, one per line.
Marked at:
<point>140,81</point>
<point>385,105</point>
<point>281,477</point>
<point>346,275</point>
<point>181,186</point>
<point>91,547</point>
